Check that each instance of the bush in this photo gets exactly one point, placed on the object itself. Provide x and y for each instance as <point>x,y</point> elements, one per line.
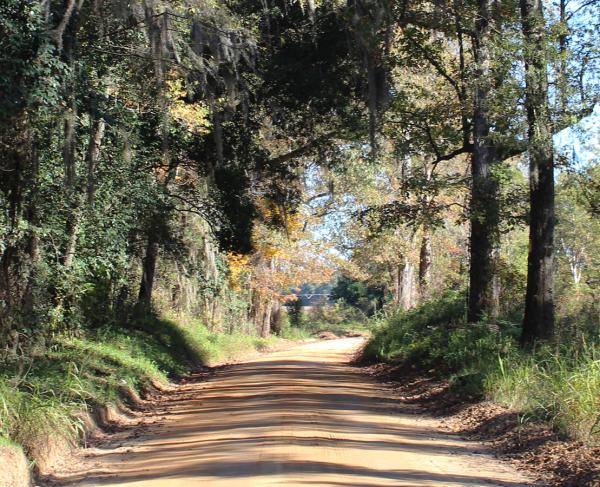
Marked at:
<point>418,336</point>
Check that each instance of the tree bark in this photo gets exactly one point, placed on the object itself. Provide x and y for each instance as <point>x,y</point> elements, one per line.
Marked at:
<point>58,33</point>
<point>538,321</point>
<point>397,275</point>
<point>70,143</point>
<point>69,162</point>
<point>93,156</point>
<point>562,80</point>
<point>69,149</point>
<point>425,252</point>
<point>72,230</point>
<point>265,329</point>
<point>144,303</point>
<point>74,222</point>
<point>276,316</point>
<point>424,262</point>
<point>407,285</point>
<point>484,191</point>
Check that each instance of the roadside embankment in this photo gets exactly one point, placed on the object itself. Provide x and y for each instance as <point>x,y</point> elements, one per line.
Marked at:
<point>65,392</point>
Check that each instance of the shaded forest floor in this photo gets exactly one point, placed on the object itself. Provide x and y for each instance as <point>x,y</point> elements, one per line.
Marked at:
<point>530,445</point>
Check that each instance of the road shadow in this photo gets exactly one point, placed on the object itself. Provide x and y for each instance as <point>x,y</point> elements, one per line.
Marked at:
<point>214,431</point>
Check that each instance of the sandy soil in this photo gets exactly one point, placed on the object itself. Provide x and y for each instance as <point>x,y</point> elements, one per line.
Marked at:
<point>300,417</point>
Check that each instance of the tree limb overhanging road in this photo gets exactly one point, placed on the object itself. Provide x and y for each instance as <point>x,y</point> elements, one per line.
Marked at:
<point>300,417</point>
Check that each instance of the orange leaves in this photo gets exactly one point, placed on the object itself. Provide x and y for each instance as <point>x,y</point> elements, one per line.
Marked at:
<point>239,269</point>
<point>285,257</point>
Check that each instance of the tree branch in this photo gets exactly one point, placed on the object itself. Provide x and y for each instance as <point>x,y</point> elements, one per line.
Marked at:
<point>302,150</point>
<point>465,149</point>
<point>58,32</point>
<point>439,68</point>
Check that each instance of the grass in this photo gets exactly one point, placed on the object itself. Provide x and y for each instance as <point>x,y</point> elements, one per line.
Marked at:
<point>290,332</point>
<point>338,328</point>
<point>310,328</point>
<point>72,375</point>
<point>8,443</point>
<point>559,384</point>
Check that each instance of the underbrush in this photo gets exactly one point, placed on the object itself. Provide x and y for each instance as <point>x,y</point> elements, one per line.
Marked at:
<point>338,318</point>
<point>290,332</point>
<point>44,393</point>
<point>559,384</point>
<point>338,328</point>
<point>311,329</point>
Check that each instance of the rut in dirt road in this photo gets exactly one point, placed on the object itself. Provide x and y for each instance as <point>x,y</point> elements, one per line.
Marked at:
<point>301,417</point>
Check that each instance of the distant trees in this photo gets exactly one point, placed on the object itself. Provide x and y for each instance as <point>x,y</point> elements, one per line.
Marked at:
<point>367,298</point>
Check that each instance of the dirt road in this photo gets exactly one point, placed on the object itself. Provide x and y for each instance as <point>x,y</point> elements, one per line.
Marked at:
<point>300,417</point>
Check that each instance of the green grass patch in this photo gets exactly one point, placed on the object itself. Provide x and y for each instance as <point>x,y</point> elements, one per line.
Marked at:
<point>562,386</point>
<point>290,332</point>
<point>310,328</point>
<point>559,384</point>
<point>7,442</point>
<point>338,328</point>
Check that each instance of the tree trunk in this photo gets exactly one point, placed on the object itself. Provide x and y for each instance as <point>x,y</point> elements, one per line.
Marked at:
<point>484,190</point>
<point>397,283</point>
<point>407,285</point>
<point>425,251</point>
<point>424,262</point>
<point>538,321</point>
<point>144,303</point>
<point>58,33</point>
<point>69,144</point>
<point>93,156</point>
<point>496,288</point>
<point>74,222</point>
<point>69,149</point>
<point>265,329</point>
<point>157,32</point>
<point>72,230</point>
<point>276,316</point>
<point>33,246</point>
<point>69,154</point>
<point>562,80</point>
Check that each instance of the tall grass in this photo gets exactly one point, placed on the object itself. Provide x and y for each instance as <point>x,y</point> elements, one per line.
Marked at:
<point>556,385</point>
<point>560,384</point>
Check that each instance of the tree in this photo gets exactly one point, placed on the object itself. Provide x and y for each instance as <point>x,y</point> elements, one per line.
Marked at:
<point>538,321</point>
<point>295,312</point>
<point>484,187</point>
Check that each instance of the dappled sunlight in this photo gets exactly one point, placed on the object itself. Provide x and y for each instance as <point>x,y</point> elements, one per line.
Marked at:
<point>299,417</point>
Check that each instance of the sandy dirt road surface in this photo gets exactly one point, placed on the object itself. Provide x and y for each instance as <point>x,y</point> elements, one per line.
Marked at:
<point>300,417</point>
